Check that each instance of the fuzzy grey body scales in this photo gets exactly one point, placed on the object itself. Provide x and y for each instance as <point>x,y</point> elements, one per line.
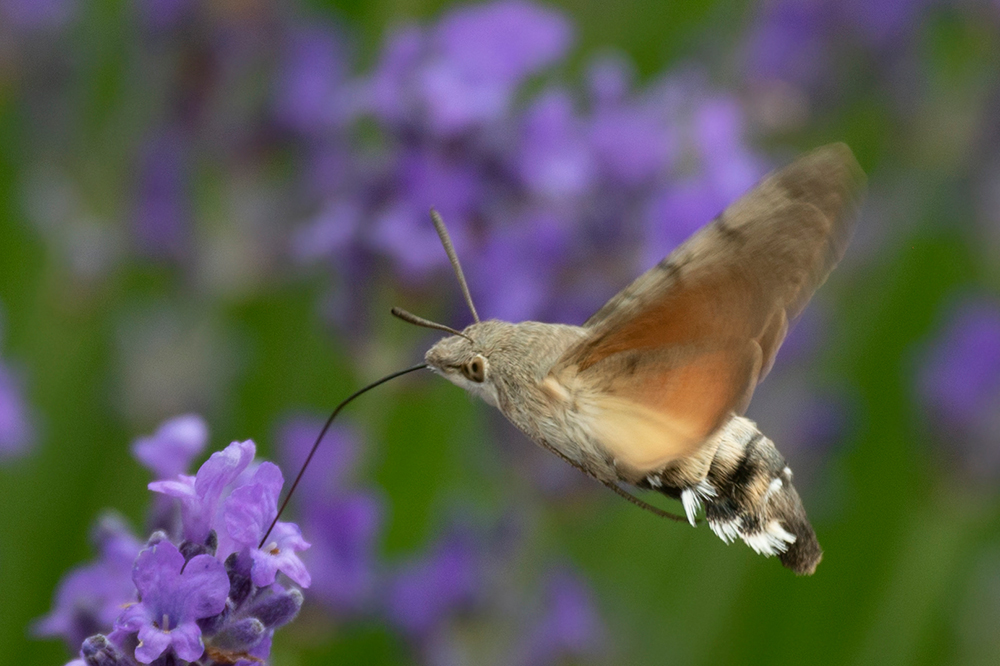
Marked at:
<point>737,474</point>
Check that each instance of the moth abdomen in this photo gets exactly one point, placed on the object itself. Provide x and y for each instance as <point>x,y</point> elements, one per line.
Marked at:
<point>748,494</point>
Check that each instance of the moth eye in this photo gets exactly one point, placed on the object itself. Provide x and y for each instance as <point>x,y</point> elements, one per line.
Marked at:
<point>475,369</point>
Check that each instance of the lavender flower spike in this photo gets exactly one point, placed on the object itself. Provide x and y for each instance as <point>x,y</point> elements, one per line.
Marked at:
<point>200,494</point>
<point>174,596</point>
<point>200,591</point>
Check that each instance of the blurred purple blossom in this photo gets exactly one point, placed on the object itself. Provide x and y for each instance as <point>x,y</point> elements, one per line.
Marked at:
<point>311,82</point>
<point>38,14</point>
<point>334,462</point>
<point>166,14</point>
<point>90,597</point>
<point>344,523</point>
<point>569,628</point>
<point>344,533</point>
<point>463,74</point>
<point>958,383</point>
<point>170,450</point>
<point>426,590</point>
<point>162,223</point>
<point>789,41</point>
<point>17,430</point>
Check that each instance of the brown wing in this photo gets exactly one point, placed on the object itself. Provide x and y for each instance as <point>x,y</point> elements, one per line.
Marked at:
<point>690,339</point>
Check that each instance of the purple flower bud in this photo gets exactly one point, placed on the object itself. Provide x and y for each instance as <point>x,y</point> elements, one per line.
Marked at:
<point>240,635</point>
<point>99,651</point>
<point>170,450</point>
<point>276,609</point>
<point>238,570</point>
<point>174,596</point>
<point>190,549</point>
<point>200,495</point>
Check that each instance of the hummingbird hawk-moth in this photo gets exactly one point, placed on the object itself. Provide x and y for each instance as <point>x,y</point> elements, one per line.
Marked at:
<point>651,390</point>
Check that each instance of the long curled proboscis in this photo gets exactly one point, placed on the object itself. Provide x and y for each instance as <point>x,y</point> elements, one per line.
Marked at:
<point>322,433</point>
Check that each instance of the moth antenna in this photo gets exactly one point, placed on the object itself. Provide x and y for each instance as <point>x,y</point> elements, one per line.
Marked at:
<point>453,258</point>
<point>411,318</point>
<point>319,439</point>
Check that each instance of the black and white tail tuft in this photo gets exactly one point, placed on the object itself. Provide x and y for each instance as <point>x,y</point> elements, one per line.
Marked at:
<point>748,494</point>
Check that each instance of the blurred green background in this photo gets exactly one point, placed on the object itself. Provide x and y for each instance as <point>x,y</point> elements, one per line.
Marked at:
<point>907,514</point>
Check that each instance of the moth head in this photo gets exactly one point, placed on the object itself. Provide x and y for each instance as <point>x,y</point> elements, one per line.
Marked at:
<point>464,362</point>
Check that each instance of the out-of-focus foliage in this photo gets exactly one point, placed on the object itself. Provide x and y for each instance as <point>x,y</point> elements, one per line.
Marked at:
<point>210,206</point>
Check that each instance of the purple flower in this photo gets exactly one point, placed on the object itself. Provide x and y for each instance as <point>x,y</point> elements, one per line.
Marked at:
<point>344,534</point>
<point>311,81</point>
<point>184,597</point>
<point>389,95</point>
<point>37,14</point>
<point>175,594</point>
<point>504,40</point>
<point>334,461</point>
<point>16,430</point>
<point>170,450</point>
<point>248,513</point>
<point>162,216</point>
<point>569,628</point>
<point>958,382</point>
<point>555,161</point>
<point>344,526</point>
<point>90,597</point>
<point>464,74</point>
<point>788,41</point>
<point>960,376</point>
<point>631,143</point>
<point>425,591</point>
<point>402,227</point>
<point>481,53</point>
<point>514,275</point>
<point>200,495</point>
